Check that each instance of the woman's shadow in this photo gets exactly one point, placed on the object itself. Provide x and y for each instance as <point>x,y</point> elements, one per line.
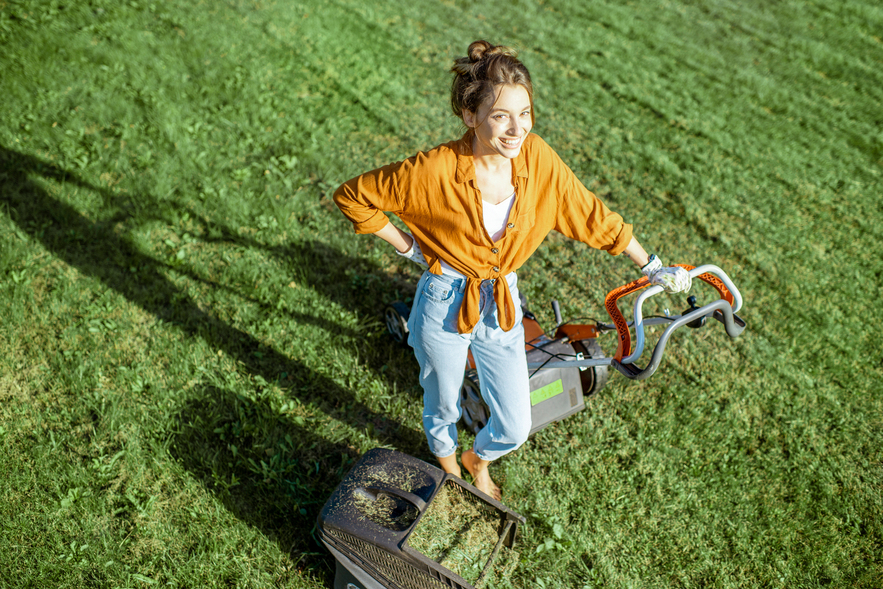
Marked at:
<point>220,437</point>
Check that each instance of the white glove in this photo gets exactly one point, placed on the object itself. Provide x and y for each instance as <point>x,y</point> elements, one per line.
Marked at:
<point>414,254</point>
<point>670,278</point>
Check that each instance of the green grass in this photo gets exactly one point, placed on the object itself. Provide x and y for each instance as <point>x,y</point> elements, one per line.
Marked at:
<point>192,354</point>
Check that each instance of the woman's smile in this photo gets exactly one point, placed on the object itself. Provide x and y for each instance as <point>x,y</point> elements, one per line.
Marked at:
<point>502,124</point>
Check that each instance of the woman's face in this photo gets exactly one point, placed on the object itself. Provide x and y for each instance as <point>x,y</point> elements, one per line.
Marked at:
<point>501,123</point>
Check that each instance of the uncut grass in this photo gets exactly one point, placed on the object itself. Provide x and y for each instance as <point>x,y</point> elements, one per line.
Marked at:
<point>190,364</point>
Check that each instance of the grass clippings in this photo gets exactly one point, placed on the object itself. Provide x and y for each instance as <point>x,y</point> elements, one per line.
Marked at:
<point>457,532</point>
<point>372,502</point>
<point>385,510</point>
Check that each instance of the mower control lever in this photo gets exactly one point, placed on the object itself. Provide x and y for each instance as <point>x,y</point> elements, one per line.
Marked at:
<point>691,300</point>
<point>556,309</point>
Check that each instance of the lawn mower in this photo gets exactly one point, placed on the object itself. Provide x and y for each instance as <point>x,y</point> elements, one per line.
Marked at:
<point>396,522</point>
<point>569,366</point>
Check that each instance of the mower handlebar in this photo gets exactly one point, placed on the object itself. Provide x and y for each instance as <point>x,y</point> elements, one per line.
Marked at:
<point>724,310</point>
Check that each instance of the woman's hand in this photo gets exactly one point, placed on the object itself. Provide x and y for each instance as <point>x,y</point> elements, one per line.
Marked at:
<point>671,278</point>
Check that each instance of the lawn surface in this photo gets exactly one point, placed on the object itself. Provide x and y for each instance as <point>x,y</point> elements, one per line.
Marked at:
<point>192,352</point>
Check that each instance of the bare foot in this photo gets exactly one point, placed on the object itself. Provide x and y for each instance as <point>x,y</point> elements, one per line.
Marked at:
<point>481,478</point>
<point>449,464</point>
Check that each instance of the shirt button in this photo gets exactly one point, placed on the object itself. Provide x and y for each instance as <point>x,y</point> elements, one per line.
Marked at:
<point>496,268</point>
<point>494,250</point>
<point>511,225</point>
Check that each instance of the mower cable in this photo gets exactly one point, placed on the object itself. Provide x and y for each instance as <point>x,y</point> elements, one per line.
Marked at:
<point>653,319</point>
<point>552,356</point>
<point>549,359</point>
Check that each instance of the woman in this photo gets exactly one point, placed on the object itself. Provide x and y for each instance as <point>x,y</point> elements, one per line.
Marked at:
<point>477,208</point>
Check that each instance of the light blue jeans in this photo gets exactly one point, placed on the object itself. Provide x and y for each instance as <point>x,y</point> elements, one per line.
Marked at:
<point>499,357</point>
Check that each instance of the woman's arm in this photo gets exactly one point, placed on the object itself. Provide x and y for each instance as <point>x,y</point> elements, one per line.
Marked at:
<point>397,238</point>
<point>635,252</point>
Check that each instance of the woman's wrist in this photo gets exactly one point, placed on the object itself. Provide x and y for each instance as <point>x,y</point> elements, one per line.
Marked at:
<point>653,264</point>
<point>635,252</point>
<point>407,250</point>
<point>408,246</point>
<point>414,253</point>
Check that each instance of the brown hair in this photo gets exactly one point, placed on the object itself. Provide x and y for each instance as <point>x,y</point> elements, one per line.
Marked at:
<point>485,67</point>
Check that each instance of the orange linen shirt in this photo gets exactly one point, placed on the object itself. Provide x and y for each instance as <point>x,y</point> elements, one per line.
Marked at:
<point>436,195</point>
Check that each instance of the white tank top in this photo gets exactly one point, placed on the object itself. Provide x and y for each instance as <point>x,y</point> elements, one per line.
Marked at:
<point>495,217</point>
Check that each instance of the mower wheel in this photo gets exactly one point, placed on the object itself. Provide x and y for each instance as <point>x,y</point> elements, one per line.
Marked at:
<point>593,378</point>
<point>396,316</point>
<point>475,413</point>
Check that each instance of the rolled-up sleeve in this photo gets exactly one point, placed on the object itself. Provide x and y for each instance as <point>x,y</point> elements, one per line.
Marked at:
<point>363,199</point>
<point>584,217</point>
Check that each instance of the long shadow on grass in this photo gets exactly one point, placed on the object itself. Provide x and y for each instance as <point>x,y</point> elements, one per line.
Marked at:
<point>352,282</point>
<point>96,250</point>
<point>266,468</point>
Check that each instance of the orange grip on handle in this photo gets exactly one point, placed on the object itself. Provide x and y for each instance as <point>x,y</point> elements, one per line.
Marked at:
<point>622,327</point>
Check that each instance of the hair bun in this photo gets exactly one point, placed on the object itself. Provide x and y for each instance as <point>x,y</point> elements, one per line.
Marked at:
<point>478,49</point>
<point>484,67</point>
